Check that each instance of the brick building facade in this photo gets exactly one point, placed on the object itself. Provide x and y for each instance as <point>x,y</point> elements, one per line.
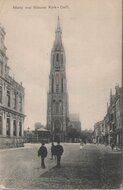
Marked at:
<point>112,122</point>
<point>11,103</point>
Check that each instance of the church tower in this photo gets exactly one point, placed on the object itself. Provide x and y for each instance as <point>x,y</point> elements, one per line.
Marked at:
<point>57,97</point>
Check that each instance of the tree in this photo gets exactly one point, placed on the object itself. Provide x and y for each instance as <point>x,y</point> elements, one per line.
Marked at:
<point>87,136</point>
<point>73,133</point>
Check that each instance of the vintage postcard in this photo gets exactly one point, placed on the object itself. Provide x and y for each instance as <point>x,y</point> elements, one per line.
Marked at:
<point>61,94</point>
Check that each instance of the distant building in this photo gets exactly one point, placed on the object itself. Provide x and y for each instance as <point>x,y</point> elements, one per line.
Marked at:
<point>109,130</point>
<point>115,111</point>
<point>38,125</point>
<point>99,132</point>
<point>74,116</point>
<point>11,103</point>
<point>75,121</point>
<point>74,128</point>
<point>40,134</point>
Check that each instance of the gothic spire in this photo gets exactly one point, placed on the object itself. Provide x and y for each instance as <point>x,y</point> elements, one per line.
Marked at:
<point>58,29</point>
<point>58,39</point>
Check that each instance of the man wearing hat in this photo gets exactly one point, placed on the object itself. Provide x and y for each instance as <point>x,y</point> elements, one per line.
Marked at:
<point>59,151</point>
<point>43,153</point>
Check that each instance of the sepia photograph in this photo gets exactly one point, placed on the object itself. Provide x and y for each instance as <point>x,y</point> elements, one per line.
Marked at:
<point>61,94</point>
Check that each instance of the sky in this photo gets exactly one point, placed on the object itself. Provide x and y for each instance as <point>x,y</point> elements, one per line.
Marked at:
<point>91,35</point>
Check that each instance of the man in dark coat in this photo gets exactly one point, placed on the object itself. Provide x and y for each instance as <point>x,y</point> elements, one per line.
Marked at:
<point>53,151</point>
<point>43,153</point>
<point>58,151</point>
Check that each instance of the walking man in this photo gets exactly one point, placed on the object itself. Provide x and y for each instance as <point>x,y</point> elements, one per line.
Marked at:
<point>53,151</point>
<point>59,151</point>
<point>43,153</point>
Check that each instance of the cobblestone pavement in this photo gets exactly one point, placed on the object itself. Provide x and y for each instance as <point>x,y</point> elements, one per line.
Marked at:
<point>92,167</point>
<point>111,167</point>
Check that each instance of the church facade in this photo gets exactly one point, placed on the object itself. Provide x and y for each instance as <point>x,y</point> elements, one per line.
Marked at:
<point>57,97</point>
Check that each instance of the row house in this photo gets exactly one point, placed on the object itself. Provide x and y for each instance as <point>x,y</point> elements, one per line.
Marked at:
<point>99,132</point>
<point>115,117</point>
<point>11,102</point>
<point>109,130</point>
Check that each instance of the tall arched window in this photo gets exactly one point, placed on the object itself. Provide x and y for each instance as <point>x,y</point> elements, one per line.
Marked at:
<point>60,107</point>
<point>62,85</point>
<point>57,83</point>
<point>52,84</point>
<point>20,128</point>
<point>1,94</point>
<point>20,103</point>
<point>14,100</point>
<point>57,126</point>
<point>62,59</point>
<point>57,57</point>
<point>1,68</point>
<point>57,107</point>
<point>0,125</point>
<point>14,128</point>
<point>54,106</point>
<point>8,98</point>
<point>8,127</point>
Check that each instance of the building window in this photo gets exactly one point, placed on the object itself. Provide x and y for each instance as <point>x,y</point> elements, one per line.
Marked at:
<point>57,126</point>
<point>57,88</point>
<point>57,83</point>
<point>1,94</point>
<point>111,117</point>
<point>53,106</point>
<point>52,85</point>
<point>20,103</point>
<point>62,86</point>
<point>57,79</point>
<point>113,125</point>
<point>8,127</point>
<point>8,98</point>
<point>1,68</point>
<point>57,107</point>
<point>0,125</point>
<point>14,128</point>
<point>20,128</point>
<point>62,59</point>
<point>53,60</point>
<point>1,43</point>
<point>15,101</point>
<point>110,127</point>
<point>57,57</point>
<point>60,107</point>
<point>102,128</point>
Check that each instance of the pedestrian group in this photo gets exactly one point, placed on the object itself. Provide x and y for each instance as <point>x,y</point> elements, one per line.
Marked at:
<point>56,153</point>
